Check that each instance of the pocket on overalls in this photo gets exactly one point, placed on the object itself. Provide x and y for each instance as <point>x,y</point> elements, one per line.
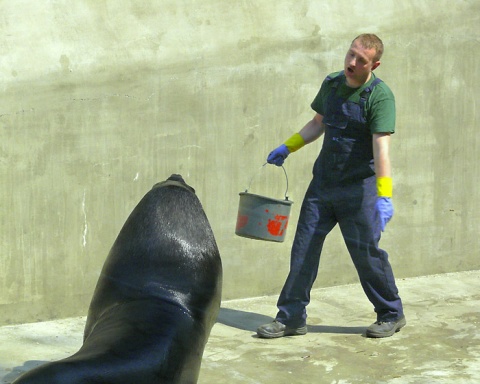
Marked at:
<point>338,146</point>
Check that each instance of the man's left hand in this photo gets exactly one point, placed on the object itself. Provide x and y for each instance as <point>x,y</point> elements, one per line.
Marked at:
<point>384,207</point>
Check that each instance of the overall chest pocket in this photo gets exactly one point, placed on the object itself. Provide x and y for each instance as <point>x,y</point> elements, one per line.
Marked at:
<point>337,138</point>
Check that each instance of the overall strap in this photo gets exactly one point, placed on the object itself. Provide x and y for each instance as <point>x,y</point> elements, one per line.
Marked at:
<point>337,79</point>
<point>367,92</point>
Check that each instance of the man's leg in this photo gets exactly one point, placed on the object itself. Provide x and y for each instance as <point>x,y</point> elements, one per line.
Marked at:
<point>315,222</point>
<point>360,226</point>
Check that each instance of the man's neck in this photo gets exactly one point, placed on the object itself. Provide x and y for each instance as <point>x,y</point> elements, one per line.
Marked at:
<point>359,85</point>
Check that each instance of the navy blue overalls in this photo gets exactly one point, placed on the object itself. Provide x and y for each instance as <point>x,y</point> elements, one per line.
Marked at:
<point>343,190</point>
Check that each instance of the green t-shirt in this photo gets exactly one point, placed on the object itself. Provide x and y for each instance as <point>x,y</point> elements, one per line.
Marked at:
<point>379,109</point>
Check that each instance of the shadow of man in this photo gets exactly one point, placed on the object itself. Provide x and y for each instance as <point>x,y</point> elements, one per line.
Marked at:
<point>250,321</point>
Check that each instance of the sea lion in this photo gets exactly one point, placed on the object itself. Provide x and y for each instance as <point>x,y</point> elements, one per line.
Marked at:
<point>155,302</point>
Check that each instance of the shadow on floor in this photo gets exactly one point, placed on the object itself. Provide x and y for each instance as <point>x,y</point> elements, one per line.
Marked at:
<point>246,321</point>
<point>250,321</point>
<point>18,371</point>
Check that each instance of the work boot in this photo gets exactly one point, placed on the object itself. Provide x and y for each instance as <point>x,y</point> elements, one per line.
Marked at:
<point>385,328</point>
<point>277,329</point>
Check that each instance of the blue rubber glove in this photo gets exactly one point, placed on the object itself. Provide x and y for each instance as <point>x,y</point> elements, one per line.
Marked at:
<point>278,155</point>
<point>384,208</point>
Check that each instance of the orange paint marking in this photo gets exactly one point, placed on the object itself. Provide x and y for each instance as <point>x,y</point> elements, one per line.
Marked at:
<point>278,225</point>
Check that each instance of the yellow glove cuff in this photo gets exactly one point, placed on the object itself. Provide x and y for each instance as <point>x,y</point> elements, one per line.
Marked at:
<point>384,186</point>
<point>295,142</point>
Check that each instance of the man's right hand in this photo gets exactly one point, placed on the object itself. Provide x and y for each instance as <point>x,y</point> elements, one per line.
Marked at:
<point>278,155</point>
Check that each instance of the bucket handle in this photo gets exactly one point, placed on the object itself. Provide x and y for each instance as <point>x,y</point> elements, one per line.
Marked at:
<point>286,177</point>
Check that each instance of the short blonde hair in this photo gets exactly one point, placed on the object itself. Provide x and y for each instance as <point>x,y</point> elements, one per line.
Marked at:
<point>369,40</point>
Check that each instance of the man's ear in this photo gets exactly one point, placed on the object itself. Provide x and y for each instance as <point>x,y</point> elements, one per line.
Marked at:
<point>375,65</point>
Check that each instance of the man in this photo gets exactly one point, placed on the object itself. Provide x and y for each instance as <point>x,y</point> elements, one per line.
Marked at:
<point>351,186</point>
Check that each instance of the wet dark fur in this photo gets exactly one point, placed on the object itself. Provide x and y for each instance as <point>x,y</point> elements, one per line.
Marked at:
<point>156,300</point>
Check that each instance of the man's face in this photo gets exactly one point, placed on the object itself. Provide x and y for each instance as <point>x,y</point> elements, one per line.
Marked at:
<point>359,64</point>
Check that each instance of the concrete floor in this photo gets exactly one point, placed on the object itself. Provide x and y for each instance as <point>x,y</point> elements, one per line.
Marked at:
<point>440,344</point>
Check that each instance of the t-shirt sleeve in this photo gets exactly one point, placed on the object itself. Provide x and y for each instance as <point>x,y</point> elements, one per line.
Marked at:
<point>318,102</point>
<point>381,111</point>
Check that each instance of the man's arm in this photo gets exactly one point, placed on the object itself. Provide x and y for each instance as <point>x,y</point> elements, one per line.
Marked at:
<point>383,170</point>
<point>381,154</point>
<point>310,132</point>
<point>313,129</point>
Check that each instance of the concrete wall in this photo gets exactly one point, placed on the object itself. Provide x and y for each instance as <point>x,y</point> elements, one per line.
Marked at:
<point>102,99</point>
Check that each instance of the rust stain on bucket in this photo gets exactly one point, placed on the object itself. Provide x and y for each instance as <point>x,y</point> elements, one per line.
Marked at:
<point>242,221</point>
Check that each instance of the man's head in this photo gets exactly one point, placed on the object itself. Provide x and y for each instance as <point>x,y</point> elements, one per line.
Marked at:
<point>362,58</point>
<point>369,41</point>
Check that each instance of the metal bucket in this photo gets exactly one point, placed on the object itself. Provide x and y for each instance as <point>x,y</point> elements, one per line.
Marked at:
<point>263,218</point>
